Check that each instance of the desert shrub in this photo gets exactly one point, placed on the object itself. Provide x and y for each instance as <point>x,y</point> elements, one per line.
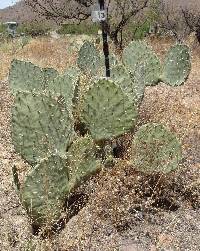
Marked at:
<point>141,30</point>
<point>34,29</point>
<point>2,28</point>
<point>135,31</point>
<point>78,29</point>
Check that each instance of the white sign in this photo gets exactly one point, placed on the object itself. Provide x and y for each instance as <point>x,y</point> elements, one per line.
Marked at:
<point>98,15</point>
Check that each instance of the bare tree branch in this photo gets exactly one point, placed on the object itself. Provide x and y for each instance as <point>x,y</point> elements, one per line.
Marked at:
<point>181,20</point>
<point>119,12</point>
<point>124,11</point>
<point>60,10</point>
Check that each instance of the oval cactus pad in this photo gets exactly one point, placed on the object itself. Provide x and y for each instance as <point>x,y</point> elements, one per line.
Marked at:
<point>40,126</point>
<point>107,111</point>
<point>177,65</point>
<point>155,149</point>
<point>138,57</point>
<point>44,190</point>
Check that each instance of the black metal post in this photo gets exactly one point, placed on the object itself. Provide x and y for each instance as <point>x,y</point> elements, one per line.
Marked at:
<point>105,40</point>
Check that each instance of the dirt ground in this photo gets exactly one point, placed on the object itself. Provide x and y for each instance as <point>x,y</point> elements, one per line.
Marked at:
<point>120,209</point>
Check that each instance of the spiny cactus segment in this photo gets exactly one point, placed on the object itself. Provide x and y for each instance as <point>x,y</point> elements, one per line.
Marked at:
<point>177,65</point>
<point>48,75</point>
<point>92,62</point>
<point>45,189</point>
<point>138,57</point>
<point>65,85</point>
<point>155,149</point>
<point>48,184</point>
<point>25,76</point>
<point>88,58</point>
<point>82,160</point>
<point>134,89</point>
<point>40,126</point>
<point>107,111</point>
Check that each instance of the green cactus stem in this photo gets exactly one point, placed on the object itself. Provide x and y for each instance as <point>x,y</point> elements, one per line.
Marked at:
<point>107,111</point>
<point>177,65</point>
<point>155,149</point>
<point>45,189</point>
<point>40,126</point>
<point>139,58</point>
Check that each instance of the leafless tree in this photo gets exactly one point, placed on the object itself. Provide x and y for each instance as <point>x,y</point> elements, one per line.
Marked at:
<point>171,21</point>
<point>60,10</point>
<point>119,12</point>
<point>192,20</point>
<point>178,19</point>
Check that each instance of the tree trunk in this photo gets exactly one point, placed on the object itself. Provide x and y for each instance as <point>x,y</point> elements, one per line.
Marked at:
<point>114,37</point>
<point>198,34</point>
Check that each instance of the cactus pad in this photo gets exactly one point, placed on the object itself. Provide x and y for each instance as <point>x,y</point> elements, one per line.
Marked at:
<point>177,65</point>
<point>82,160</point>
<point>113,61</point>
<point>48,75</point>
<point>133,89</point>
<point>73,72</point>
<point>65,85</point>
<point>138,55</point>
<point>25,76</point>
<point>89,58</point>
<point>40,126</point>
<point>155,149</point>
<point>45,189</point>
<point>107,111</point>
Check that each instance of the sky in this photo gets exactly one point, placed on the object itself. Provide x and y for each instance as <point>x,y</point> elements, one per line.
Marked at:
<point>6,3</point>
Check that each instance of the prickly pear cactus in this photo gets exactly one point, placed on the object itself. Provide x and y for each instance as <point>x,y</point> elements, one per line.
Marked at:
<point>177,65</point>
<point>92,62</point>
<point>40,126</point>
<point>73,72</point>
<point>133,89</point>
<point>155,149</point>
<point>89,58</point>
<point>121,76</point>
<point>25,76</point>
<point>65,86</point>
<point>113,61</point>
<point>138,55</point>
<point>44,190</point>
<point>107,111</point>
<point>48,75</point>
<point>82,160</point>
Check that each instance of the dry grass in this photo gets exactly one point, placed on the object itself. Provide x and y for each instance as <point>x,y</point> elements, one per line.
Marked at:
<point>45,52</point>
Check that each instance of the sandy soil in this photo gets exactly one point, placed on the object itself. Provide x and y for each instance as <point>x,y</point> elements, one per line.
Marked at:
<point>119,209</point>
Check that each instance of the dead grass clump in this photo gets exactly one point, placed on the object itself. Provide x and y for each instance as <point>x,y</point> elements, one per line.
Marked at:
<point>123,194</point>
<point>45,52</point>
<point>49,52</point>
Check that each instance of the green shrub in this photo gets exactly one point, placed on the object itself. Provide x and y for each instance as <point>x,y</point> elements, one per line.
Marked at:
<point>2,28</point>
<point>33,29</point>
<point>141,30</point>
<point>79,29</point>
